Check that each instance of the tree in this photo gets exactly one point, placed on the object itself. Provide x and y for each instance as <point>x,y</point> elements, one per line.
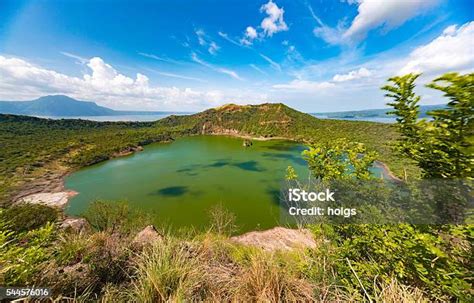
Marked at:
<point>454,127</point>
<point>339,159</point>
<point>405,104</point>
<point>441,147</point>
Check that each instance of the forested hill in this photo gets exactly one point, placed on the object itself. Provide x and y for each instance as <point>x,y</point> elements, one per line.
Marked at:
<point>277,120</point>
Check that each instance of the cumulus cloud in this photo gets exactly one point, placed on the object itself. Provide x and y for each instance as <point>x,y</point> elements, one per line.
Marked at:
<point>251,32</point>
<point>304,85</point>
<point>24,80</point>
<point>353,75</point>
<point>274,22</point>
<point>249,36</point>
<point>453,50</point>
<point>388,14</point>
<point>270,25</point>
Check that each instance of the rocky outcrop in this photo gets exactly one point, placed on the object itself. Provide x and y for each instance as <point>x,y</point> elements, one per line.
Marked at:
<point>147,236</point>
<point>127,151</point>
<point>278,238</point>
<point>76,224</point>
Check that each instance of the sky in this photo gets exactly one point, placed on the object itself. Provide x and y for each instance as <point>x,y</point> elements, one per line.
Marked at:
<point>315,56</point>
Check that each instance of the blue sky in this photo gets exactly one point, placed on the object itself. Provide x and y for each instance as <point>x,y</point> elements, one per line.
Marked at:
<point>189,55</point>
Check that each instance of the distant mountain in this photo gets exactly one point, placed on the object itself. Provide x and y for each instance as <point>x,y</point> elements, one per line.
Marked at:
<point>62,106</point>
<point>375,113</point>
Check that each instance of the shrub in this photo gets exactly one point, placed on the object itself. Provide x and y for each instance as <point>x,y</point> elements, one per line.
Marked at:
<point>22,255</point>
<point>222,221</point>
<point>116,217</point>
<point>421,256</point>
<point>27,217</point>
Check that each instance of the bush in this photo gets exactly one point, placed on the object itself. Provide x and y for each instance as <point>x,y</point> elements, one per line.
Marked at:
<point>433,258</point>
<point>26,217</point>
<point>22,255</point>
<point>116,217</point>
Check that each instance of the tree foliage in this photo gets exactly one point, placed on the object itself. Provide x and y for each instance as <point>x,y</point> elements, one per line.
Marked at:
<point>442,147</point>
<point>339,159</point>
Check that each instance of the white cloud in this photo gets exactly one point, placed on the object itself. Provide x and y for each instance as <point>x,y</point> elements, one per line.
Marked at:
<point>24,80</point>
<point>329,34</point>
<point>249,36</point>
<point>226,37</point>
<point>173,75</point>
<point>228,72</point>
<point>158,58</point>
<point>353,75</point>
<point>272,63</point>
<point>258,69</point>
<point>200,35</point>
<point>292,54</point>
<point>205,41</point>
<point>304,85</point>
<point>270,25</point>
<point>213,48</point>
<point>453,50</point>
<point>316,18</point>
<point>373,14</point>
<point>79,59</point>
<point>274,22</point>
<point>251,32</point>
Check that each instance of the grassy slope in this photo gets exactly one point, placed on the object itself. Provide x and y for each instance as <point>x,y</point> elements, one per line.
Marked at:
<point>279,120</point>
<point>34,148</point>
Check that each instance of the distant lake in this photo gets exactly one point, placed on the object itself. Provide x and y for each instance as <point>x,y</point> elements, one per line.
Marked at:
<point>144,118</point>
<point>370,119</point>
<point>133,118</point>
<point>180,182</point>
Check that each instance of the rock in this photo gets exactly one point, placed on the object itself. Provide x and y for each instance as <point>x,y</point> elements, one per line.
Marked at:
<point>278,238</point>
<point>147,236</point>
<point>58,199</point>
<point>76,224</point>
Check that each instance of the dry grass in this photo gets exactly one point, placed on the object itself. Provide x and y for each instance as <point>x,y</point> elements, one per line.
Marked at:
<point>394,292</point>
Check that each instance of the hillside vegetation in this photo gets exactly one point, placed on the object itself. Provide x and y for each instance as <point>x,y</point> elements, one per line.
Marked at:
<point>35,148</point>
<point>110,259</point>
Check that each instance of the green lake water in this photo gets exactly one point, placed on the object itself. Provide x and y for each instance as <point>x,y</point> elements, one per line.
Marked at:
<point>179,182</point>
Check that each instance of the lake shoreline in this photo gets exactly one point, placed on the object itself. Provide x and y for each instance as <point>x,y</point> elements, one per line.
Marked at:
<point>53,184</point>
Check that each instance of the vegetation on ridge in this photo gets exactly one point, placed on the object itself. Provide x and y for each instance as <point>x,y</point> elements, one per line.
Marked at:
<point>35,148</point>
